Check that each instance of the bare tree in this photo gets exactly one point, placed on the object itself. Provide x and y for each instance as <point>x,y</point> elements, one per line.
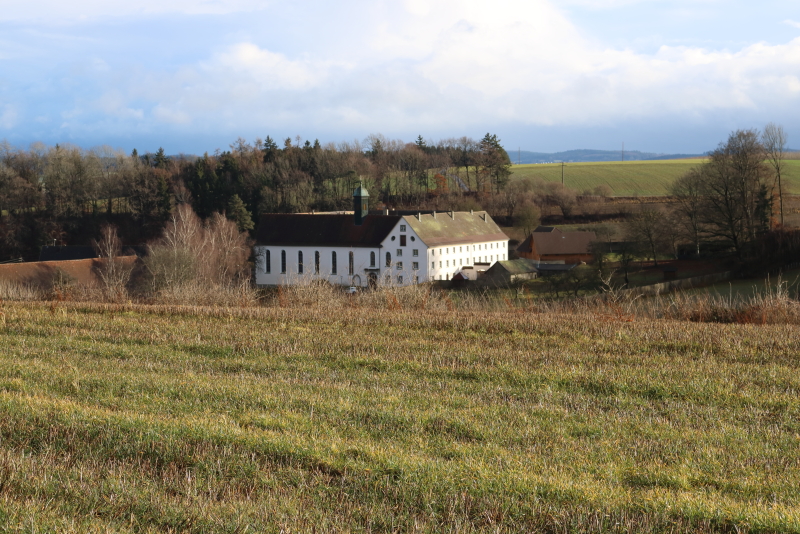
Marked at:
<point>114,272</point>
<point>687,190</point>
<point>774,140</point>
<point>736,200</point>
<point>645,228</point>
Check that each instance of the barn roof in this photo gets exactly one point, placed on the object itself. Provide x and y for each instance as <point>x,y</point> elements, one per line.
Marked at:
<point>558,242</point>
<point>448,228</point>
<point>333,230</point>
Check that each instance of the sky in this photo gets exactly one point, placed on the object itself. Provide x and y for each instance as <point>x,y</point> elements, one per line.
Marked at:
<point>671,76</point>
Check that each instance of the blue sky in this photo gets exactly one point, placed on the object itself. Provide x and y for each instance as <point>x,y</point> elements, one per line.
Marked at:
<point>193,76</point>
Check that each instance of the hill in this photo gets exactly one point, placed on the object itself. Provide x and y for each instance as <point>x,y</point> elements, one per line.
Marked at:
<point>145,419</point>
<point>588,155</point>
<point>631,178</point>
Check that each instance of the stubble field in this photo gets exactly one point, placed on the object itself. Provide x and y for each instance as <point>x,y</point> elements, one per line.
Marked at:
<point>144,419</point>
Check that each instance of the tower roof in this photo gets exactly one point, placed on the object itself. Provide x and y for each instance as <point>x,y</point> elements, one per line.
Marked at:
<point>360,191</point>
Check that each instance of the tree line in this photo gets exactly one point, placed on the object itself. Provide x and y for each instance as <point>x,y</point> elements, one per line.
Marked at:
<point>65,194</point>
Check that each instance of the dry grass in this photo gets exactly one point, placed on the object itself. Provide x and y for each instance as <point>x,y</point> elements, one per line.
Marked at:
<point>405,414</point>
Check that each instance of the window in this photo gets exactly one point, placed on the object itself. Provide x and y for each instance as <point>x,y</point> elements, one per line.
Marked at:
<point>372,259</point>
<point>402,240</point>
<point>479,247</point>
<point>267,262</point>
<point>402,229</point>
<point>447,263</point>
<point>300,262</point>
<point>440,252</point>
<point>433,252</point>
<point>388,259</point>
<point>413,238</point>
<point>399,265</point>
<point>415,252</point>
<point>350,264</point>
<point>333,262</point>
<point>394,237</point>
<point>399,251</point>
<point>440,265</point>
<point>460,262</point>
<point>447,251</point>
<point>283,262</point>
<point>399,278</point>
<point>316,262</point>
<point>459,249</point>
<point>415,265</point>
<point>433,265</point>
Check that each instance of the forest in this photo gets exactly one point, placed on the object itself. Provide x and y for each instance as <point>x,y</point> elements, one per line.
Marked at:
<point>65,195</point>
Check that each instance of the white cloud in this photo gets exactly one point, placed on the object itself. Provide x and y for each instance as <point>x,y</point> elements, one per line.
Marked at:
<point>792,23</point>
<point>443,64</point>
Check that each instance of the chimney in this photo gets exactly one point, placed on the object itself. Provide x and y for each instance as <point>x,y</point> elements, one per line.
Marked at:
<point>419,216</point>
<point>453,215</point>
<point>386,211</point>
<point>471,212</point>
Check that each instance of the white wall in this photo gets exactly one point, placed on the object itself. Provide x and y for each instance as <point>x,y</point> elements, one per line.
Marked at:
<point>445,261</point>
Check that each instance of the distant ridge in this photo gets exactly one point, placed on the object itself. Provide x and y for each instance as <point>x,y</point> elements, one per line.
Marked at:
<point>588,155</point>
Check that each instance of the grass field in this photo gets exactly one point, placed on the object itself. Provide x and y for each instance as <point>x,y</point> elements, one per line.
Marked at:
<point>630,178</point>
<point>360,420</point>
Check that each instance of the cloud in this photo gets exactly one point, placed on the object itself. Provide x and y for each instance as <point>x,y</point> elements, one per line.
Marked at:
<point>792,23</point>
<point>424,65</point>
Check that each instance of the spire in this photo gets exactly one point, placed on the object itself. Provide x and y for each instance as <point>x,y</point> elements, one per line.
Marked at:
<point>360,204</point>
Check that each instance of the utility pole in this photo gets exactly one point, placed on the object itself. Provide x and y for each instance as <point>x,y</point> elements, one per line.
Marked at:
<point>519,151</point>
<point>562,173</point>
<point>623,151</point>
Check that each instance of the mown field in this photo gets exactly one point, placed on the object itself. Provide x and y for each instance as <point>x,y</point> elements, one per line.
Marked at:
<point>359,420</point>
<point>630,178</point>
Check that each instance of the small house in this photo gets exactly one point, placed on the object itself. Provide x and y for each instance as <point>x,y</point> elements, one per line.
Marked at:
<point>548,243</point>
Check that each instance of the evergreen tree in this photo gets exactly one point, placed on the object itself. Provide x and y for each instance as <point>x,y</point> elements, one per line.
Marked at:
<point>161,160</point>
<point>238,213</point>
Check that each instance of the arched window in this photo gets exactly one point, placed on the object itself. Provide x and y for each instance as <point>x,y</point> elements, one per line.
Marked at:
<point>299,262</point>
<point>350,265</point>
<point>388,259</point>
<point>267,262</point>
<point>283,262</point>
<point>372,259</point>
<point>316,262</point>
<point>333,262</point>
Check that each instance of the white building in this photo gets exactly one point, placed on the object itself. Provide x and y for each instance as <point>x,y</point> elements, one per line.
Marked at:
<point>367,250</point>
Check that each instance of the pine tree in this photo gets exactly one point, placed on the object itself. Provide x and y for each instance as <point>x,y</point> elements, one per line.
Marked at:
<point>238,213</point>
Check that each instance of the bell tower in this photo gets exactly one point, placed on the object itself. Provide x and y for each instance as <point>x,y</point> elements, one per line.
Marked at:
<point>360,204</point>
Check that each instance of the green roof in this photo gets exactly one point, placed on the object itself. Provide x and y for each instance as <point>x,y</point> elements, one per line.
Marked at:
<point>360,192</point>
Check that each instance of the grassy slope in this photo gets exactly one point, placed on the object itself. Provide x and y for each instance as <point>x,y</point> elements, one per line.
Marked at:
<point>643,178</point>
<point>423,421</point>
